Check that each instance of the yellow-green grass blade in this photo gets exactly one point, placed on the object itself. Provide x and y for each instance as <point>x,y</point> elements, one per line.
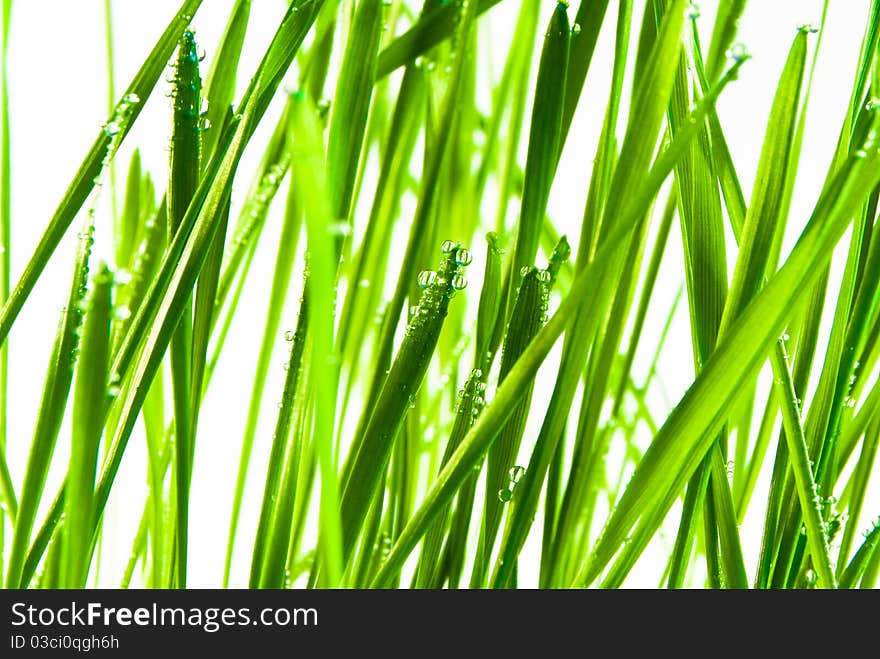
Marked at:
<point>308,162</point>
<point>287,246</point>
<point>84,181</point>
<point>283,445</point>
<point>220,79</point>
<point>808,493</point>
<point>434,25</point>
<point>428,572</point>
<point>7,490</point>
<point>688,432</point>
<point>861,562</point>
<point>351,103</point>
<point>88,423</point>
<point>59,373</point>
<point>723,35</point>
<point>279,55</point>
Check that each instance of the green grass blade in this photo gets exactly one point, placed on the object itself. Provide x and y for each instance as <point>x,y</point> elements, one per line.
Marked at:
<point>403,381</point>
<point>84,181</point>
<point>432,27</point>
<point>221,77</point>
<point>8,491</point>
<point>687,433</point>
<point>351,103</point>
<point>88,422</point>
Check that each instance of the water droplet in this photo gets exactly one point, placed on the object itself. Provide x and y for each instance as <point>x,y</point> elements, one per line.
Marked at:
<point>544,276</point>
<point>113,391</point>
<point>576,29</point>
<point>504,495</point>
<point>426,278</point>
<point>693,11</point>
<point>516,473</point>
<point>463,257</point>
<point>459,282</point>
<point>809,28</point>
<point>111,128</point>
<point>448,246</point>
<point>288,335</point>
<point>523,271</point>
<point>737,52</point>
<point>131,98</point>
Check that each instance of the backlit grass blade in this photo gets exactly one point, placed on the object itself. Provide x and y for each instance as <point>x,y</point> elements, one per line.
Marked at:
<point>432,28</point>
<point>84,181</point>
<point>289,36</point>
<point>59,374</point>
<point>88,422</point>
<point>351,103</point>
<point>184,178</point>
<point>861,562</point>
<point>221,77</point>
<point>687,433</point>
<point>723,35</point>
<point>8,491</point>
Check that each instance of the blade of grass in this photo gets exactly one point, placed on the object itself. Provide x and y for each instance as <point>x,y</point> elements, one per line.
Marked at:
<point>84,181</point>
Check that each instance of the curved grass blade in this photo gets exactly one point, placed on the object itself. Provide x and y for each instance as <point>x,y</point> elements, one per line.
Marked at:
<point>7,490</point>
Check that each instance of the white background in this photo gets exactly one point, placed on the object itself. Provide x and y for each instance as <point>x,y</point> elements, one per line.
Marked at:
<point>58,97</point>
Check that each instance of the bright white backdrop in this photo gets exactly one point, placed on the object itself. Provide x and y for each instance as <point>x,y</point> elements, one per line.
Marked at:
<point>58,96</point>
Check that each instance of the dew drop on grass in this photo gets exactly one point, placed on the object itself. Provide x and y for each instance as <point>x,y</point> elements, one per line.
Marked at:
<point>544,276</point>
<point>448,246</point>
<point>288,335</point>
<point>693,11</point>
<point>809,28</point>
<point>575,29</point>
<point>523,271</point>
<point>463,257</point>
<point>426,278</point>
<point>516,473</point>
<point>504,494</point>
<point>459,282</point>
<point>737,52</point>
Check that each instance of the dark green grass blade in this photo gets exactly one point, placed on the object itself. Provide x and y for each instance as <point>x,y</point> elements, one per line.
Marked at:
<point>361,479</point>
<point>526,319</point>
<point>88,422</point>
<point>544,142</point>
<point>183,181</point>
<point>83,182</point>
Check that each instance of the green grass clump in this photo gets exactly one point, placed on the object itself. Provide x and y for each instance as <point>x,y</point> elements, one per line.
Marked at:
<point>428,432</point>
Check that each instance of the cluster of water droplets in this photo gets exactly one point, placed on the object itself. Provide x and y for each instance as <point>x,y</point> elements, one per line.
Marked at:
<point>472,398</point>
<point>514,476</point>
<point>545,278</point>
<point>439,286</point>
